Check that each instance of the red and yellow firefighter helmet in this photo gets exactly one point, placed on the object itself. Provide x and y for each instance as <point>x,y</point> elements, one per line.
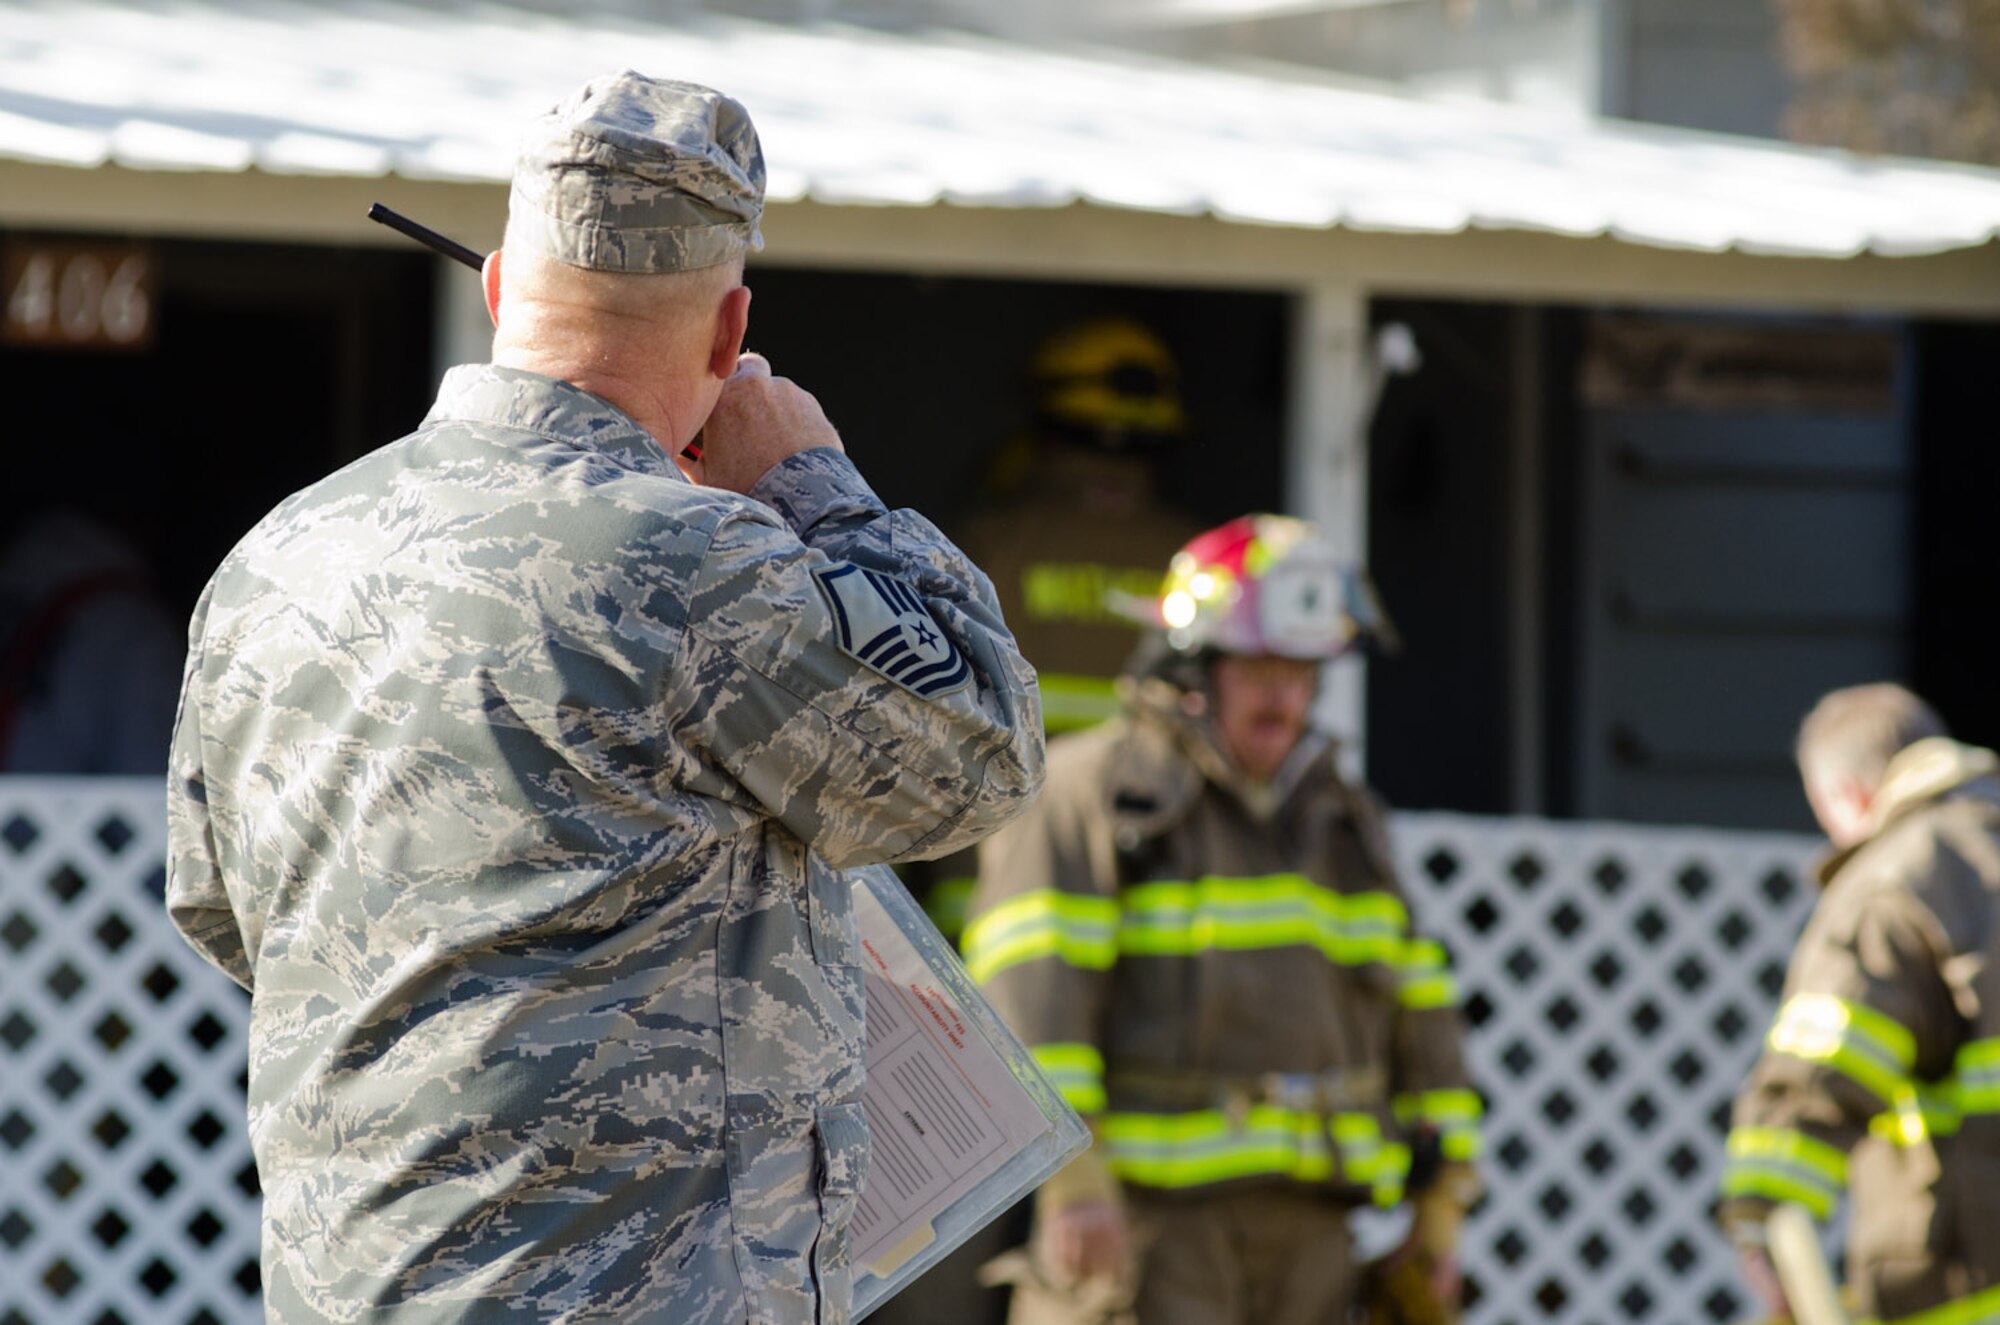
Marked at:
<point>1268,584</point>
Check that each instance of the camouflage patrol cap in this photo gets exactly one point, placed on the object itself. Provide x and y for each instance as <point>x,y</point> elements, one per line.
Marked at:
<point>637,174</point>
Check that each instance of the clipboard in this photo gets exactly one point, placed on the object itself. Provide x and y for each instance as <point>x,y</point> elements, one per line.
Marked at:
<point>962,1120</point>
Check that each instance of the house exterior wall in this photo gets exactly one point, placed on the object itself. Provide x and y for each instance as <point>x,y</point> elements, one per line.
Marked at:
<point>1546,55</point>
<point>1700,64</point>
<point>1746,547</point>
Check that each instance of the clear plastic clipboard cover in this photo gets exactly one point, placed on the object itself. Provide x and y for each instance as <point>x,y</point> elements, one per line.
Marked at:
<point>962,1120</point>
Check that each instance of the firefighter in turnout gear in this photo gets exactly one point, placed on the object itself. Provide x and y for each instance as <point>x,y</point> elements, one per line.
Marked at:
<point>1880,1076</point>
<point>1078,523</point>
<point>1199,932</point>
<point>1083,522</point>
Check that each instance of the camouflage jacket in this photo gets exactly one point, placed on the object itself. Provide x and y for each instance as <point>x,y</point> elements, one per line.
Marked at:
<point>1880,1075</point>
<point>511,775</point>
<point>1223,977</point>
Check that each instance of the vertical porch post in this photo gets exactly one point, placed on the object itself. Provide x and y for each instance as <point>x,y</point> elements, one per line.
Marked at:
<point>1326,469</point>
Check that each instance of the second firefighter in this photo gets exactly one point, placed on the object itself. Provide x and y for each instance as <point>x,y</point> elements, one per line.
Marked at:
<point>1199,932</point>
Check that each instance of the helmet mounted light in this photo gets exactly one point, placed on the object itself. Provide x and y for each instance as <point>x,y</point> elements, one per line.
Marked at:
<point>1265,584</point>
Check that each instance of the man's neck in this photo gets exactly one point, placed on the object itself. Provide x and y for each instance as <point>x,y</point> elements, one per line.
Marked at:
<point>652,408</point>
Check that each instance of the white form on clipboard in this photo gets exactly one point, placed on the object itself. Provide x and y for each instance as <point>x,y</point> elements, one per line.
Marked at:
<point>961,1121</point>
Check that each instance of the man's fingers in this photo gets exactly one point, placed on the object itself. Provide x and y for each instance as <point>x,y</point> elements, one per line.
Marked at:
<point>1069,1254</point>
<point>1090,1243</point>
<point>1447,1284</point>
<point>1764,1283</point>
<point>1081,1257</point>
<point>1106,1251</point>
<point>1086,1243</point>
<point>752,364</point>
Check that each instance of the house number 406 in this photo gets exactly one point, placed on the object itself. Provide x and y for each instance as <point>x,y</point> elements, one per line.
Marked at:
<point>79,295</point>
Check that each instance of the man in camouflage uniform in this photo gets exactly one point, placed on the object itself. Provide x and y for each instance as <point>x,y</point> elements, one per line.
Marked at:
<point>1199,933</point>
<point>513,771</point>
<point>1880,1077</point>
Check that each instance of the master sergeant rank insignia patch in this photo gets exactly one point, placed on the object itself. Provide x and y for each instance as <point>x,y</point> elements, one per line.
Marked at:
<point>881,621</point>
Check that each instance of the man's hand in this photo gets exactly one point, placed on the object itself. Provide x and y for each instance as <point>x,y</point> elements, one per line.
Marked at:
<point>1762,1277</point>
<point>1085,1242</point>
<point>1438,1216</point>
<point>758,421</point>
<point>1447,1282</point>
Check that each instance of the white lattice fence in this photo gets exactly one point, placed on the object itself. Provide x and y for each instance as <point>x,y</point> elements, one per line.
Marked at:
<point>127,1191</point>
<point>1617,978</point>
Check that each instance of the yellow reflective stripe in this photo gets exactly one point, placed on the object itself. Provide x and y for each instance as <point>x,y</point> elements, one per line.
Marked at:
<point>1874,1051</point>
<point>1441,1107</point>
<point>1923,1110</point>
<point>1387,1188</point>
<point>1424,995</point>
<point>1178,1150</point>
<point>1918,1113</point>
<point>1427,981</point>
<point>1193,1149</point>
<point>1978,1072</point>
<point>1071,701</point>
<point>1782,1165</point>
<point>1080,590</point>
<point>1077,1071</point>
<point>1982,1308</point>
<point>1456,1114</point>
<point>1078,930</point>
<point>1281,910</point>
<point>1366,1158</point>
<point>1979,1054</point>
<point>1077,1057</point>
<point>1423,957</point>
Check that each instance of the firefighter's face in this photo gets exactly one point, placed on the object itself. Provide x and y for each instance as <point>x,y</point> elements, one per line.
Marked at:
<point>1261,707</point>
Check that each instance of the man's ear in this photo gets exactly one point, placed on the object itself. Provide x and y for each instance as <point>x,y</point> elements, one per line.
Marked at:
<point>1844,806</point>
<point>1860,796</point>
<point>731,323</point>
<point>489,279</point>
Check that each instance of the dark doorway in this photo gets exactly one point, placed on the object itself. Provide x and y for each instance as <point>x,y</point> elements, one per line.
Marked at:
<point>928,377</point>
<point>271,366</point>
<point>1956,580</point>
<point>1438,509</point>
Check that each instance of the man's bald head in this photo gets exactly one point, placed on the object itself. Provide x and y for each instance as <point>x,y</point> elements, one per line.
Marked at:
<point>548,297</point>
<point>659,345</point>
<point>1856,732</point>
<point>1844,748</point>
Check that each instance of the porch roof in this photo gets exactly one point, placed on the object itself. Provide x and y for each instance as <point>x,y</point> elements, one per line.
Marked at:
<point>438,89</point>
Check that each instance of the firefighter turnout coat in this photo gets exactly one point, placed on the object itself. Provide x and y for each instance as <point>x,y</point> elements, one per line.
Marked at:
<point>1880,1077</point>
<point>1222,977</point>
